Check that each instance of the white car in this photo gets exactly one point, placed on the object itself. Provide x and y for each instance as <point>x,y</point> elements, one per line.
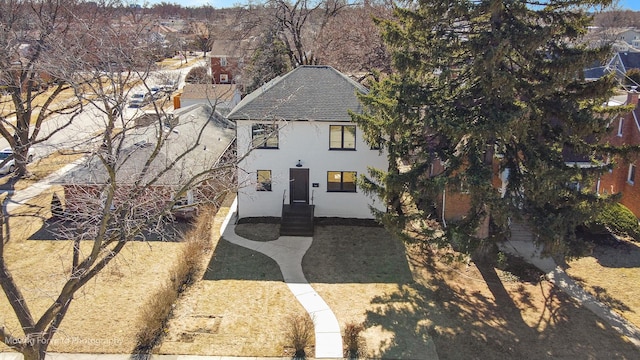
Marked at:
<point>139,100</point>
<point>10,166</point>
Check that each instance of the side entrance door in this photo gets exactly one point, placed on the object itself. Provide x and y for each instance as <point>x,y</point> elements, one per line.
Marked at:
<point>299,186</point>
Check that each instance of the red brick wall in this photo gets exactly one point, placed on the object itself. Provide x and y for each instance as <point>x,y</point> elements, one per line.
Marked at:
<point>616,180</point>
<point>231,70</point>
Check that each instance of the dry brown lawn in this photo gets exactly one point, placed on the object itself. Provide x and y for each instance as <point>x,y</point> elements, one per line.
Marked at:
<point>612,274</point>
<point>39,169</point>
<point>411,304</point>
<point>103,315</point>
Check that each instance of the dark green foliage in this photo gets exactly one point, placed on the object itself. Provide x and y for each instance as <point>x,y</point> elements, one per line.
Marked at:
<point>618,219</point>
<point>268,61</point>
<point>633,77</point>
<point>477,77</point>
<point>57,210</point>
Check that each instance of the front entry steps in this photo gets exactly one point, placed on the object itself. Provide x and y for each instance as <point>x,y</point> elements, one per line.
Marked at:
<point>297,220</point>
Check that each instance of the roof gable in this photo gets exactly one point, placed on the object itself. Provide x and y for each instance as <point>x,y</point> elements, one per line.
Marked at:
<point>631,60</point>
<point>312,93</point>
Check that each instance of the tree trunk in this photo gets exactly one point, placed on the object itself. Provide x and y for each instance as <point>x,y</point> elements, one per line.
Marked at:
<point>36,349</point>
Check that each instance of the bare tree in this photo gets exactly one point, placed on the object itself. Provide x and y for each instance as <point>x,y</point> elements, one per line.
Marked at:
<point>351,40</point>
<point>300,23</point>
<point>204,33</point>
<point>40,41</point>
<point>141,173</point>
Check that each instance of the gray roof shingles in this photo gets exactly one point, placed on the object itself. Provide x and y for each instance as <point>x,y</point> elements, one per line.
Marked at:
<point>307,93</point>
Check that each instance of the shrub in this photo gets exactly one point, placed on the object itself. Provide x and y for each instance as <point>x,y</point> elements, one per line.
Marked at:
<point>353,341</point>
<point>618,219</point>
<point>155,314</point>
<point>299,334</point>
<point>198,75</point>
<point>57,210</point>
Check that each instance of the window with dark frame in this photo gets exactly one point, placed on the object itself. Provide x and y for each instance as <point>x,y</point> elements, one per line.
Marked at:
<point>264,136</point>
<point>341,181</point>
<point>264,180</point>
<point>342,137</point>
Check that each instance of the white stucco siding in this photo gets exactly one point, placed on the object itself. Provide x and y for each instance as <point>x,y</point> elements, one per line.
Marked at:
<point>309,143</point>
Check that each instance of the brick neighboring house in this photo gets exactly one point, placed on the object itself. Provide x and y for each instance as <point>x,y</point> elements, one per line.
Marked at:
<point>625,178</point>
<point>151,184</point>
<point>226,61</point>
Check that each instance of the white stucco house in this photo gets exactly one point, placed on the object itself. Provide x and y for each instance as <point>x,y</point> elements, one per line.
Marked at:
<point>298,147</point>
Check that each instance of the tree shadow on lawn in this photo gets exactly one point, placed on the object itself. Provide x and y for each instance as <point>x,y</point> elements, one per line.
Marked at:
<point>619,254</point>
<point>53,229</point>
<point>465,323</point>
<point>338,254</point>
<point>234,262</point>
<point>356,254</point>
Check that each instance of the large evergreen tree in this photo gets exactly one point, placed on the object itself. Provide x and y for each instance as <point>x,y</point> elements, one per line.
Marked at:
<point>489,87</point>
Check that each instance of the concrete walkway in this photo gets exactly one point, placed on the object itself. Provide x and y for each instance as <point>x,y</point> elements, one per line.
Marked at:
<point>522,244</point>
<point>19,198</point>
<point>288,252</point>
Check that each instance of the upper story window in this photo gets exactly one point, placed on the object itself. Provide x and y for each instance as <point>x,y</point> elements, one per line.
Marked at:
<point>264,136</point>
<point>342,137</point>
<point>620,126</point>
<point>223,61</point>
<point>631,175</point>
<point>341,181</point>
<point>224,78</point>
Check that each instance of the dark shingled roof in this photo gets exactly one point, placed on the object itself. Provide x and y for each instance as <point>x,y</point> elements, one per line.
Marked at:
<point>631,60</point>
<point>318,93</point>
<point>594,72</point>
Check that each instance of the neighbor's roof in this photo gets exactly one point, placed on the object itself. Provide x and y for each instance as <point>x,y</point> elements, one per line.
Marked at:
<point>318,93</point>
<point>216,135</point>
<point>631,60</point>
<point>213,92</point>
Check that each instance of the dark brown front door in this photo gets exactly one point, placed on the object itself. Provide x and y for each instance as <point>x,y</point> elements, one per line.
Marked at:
<point>299,186</point>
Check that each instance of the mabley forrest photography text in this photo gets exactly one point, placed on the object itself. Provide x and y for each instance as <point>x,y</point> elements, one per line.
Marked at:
<point>75,340</point>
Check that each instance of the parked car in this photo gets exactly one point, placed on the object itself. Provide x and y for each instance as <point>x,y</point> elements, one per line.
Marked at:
<point>138,100</point>
<point>156,92</point>
<point>10,166</point>
<point>169,86</point>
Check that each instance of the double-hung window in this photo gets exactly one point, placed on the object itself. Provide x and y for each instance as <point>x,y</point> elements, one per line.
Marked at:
<point>342,137</point>
<point>631,175</point>
<point>341,181</point>
<point>264,136</point>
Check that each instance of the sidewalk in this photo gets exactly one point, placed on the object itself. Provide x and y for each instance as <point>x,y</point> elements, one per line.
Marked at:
<point>19,197</point>
<point>522,244</point>
<point>288,252</point>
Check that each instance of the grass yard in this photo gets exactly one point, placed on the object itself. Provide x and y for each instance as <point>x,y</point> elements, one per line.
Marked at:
<point>411,304</point>
<point>612,274</point>
<point>103,317</point>
<point>40,169</point>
